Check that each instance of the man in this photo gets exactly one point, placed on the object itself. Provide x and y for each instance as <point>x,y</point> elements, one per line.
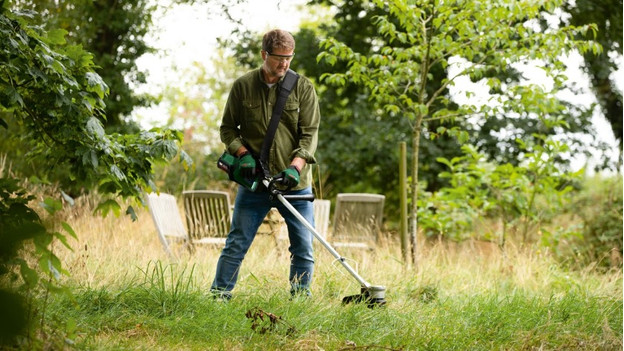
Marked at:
<point>243,127</point>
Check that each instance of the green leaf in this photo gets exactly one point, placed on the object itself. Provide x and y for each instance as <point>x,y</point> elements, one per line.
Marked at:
<point>463,137</point>
<point>133,215</point>
<point>115,171</point>
<point>51,205</point>
<point>445,161</point>
<point>187,161</point>
<point>54,266</point>
<point>3,123</point>
<point>94,127</point>
<point>107,206</point>
<point>79,55</point>
<point>63,239</point>
<point>69,230</point>
<point>166,149</point>
<point>42,242</point>
<point>28,274</point>
<point>96,84</point>
<point>13,95</point>
<point>57,36</point>
<point>90,158</point>
<point>152,186</point>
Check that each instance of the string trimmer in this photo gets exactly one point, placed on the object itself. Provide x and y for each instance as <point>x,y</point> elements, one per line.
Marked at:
<point>372,295</point>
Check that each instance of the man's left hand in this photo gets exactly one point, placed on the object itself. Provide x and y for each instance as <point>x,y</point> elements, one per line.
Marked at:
<point>290,176</point>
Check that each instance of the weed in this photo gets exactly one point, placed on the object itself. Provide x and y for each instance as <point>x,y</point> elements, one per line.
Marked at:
<point>262,321</point>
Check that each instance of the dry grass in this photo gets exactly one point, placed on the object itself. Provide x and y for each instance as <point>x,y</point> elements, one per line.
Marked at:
<point>460,296</point>
<point>112,250</point>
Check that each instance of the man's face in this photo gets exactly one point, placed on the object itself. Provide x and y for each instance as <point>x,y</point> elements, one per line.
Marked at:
<point>276,63</point>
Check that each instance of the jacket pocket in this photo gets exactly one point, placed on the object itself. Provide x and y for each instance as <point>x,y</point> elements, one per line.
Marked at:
<point>252,106</point>
<point>251,120</point>
<point>290,115</point>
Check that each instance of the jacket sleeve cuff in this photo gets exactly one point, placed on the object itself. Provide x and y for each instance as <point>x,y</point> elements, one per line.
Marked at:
<point>234,146</point>
<point>304,154</point>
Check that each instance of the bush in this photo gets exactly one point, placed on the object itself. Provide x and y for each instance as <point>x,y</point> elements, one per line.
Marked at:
<point>600,209</point>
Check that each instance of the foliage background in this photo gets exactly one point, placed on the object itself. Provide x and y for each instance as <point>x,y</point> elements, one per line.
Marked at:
<point>67,91</point>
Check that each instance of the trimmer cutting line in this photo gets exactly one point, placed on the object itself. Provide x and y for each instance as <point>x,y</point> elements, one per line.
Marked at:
<point>372,295</point>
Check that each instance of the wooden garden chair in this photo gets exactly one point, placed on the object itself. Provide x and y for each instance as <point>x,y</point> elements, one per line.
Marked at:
<point>357,220</point>
<point>167,219</point>
<point>208,216</point>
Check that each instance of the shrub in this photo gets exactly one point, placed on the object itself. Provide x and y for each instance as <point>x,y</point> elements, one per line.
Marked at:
<point>600,209</point>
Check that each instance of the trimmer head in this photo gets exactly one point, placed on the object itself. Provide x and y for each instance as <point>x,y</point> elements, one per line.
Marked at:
<point>373,296</point>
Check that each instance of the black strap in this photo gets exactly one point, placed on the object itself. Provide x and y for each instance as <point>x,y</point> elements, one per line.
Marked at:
<point>288,83</point>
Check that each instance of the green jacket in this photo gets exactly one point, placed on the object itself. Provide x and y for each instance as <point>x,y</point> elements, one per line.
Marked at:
<point>247,114</point>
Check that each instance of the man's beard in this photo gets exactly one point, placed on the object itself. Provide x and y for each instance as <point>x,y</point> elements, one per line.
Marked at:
<point>278,72</point>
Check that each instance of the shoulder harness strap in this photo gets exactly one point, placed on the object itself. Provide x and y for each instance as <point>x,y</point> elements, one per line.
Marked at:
<point>288,83</point>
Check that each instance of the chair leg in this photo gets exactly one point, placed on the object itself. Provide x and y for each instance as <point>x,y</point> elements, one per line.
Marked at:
<point>189,246</point>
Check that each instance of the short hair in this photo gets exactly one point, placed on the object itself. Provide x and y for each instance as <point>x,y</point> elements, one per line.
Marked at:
<point>278,39</point>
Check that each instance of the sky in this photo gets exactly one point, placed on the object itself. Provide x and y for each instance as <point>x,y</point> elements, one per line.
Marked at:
<point>186,34</point>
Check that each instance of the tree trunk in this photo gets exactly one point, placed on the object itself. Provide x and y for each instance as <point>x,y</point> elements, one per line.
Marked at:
<point>414,214</point>
<point>405,238</point>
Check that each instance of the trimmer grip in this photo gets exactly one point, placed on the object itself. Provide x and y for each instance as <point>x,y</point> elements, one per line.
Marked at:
<point>306,197</point>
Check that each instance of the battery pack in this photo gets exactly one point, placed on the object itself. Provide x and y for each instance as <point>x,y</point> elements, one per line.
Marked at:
<point>229,164</point>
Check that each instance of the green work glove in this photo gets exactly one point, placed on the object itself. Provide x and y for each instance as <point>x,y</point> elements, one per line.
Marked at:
<point>247,165</point>
<point>290,176</point>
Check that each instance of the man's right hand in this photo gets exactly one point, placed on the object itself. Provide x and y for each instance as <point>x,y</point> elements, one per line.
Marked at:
<point>247,165</point>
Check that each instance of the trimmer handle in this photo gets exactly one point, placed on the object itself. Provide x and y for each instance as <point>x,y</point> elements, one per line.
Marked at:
<point>272,185</point>
<point>306,197</point>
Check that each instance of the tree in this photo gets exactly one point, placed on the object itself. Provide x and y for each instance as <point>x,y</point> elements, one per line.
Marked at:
<point>114,32</point>
<point>50,90</point>
<point>353,159</point>
<point>417,37</point>
<point>115,44</point>
<point>607,16</point>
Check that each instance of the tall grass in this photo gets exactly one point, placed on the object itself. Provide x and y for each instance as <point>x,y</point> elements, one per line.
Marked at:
<point>129,295</point>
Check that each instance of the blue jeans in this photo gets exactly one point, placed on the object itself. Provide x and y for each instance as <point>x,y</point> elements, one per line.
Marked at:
<point>250,209</point>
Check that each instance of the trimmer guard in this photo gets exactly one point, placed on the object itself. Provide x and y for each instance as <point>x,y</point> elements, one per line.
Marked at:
<point>373,296</point>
